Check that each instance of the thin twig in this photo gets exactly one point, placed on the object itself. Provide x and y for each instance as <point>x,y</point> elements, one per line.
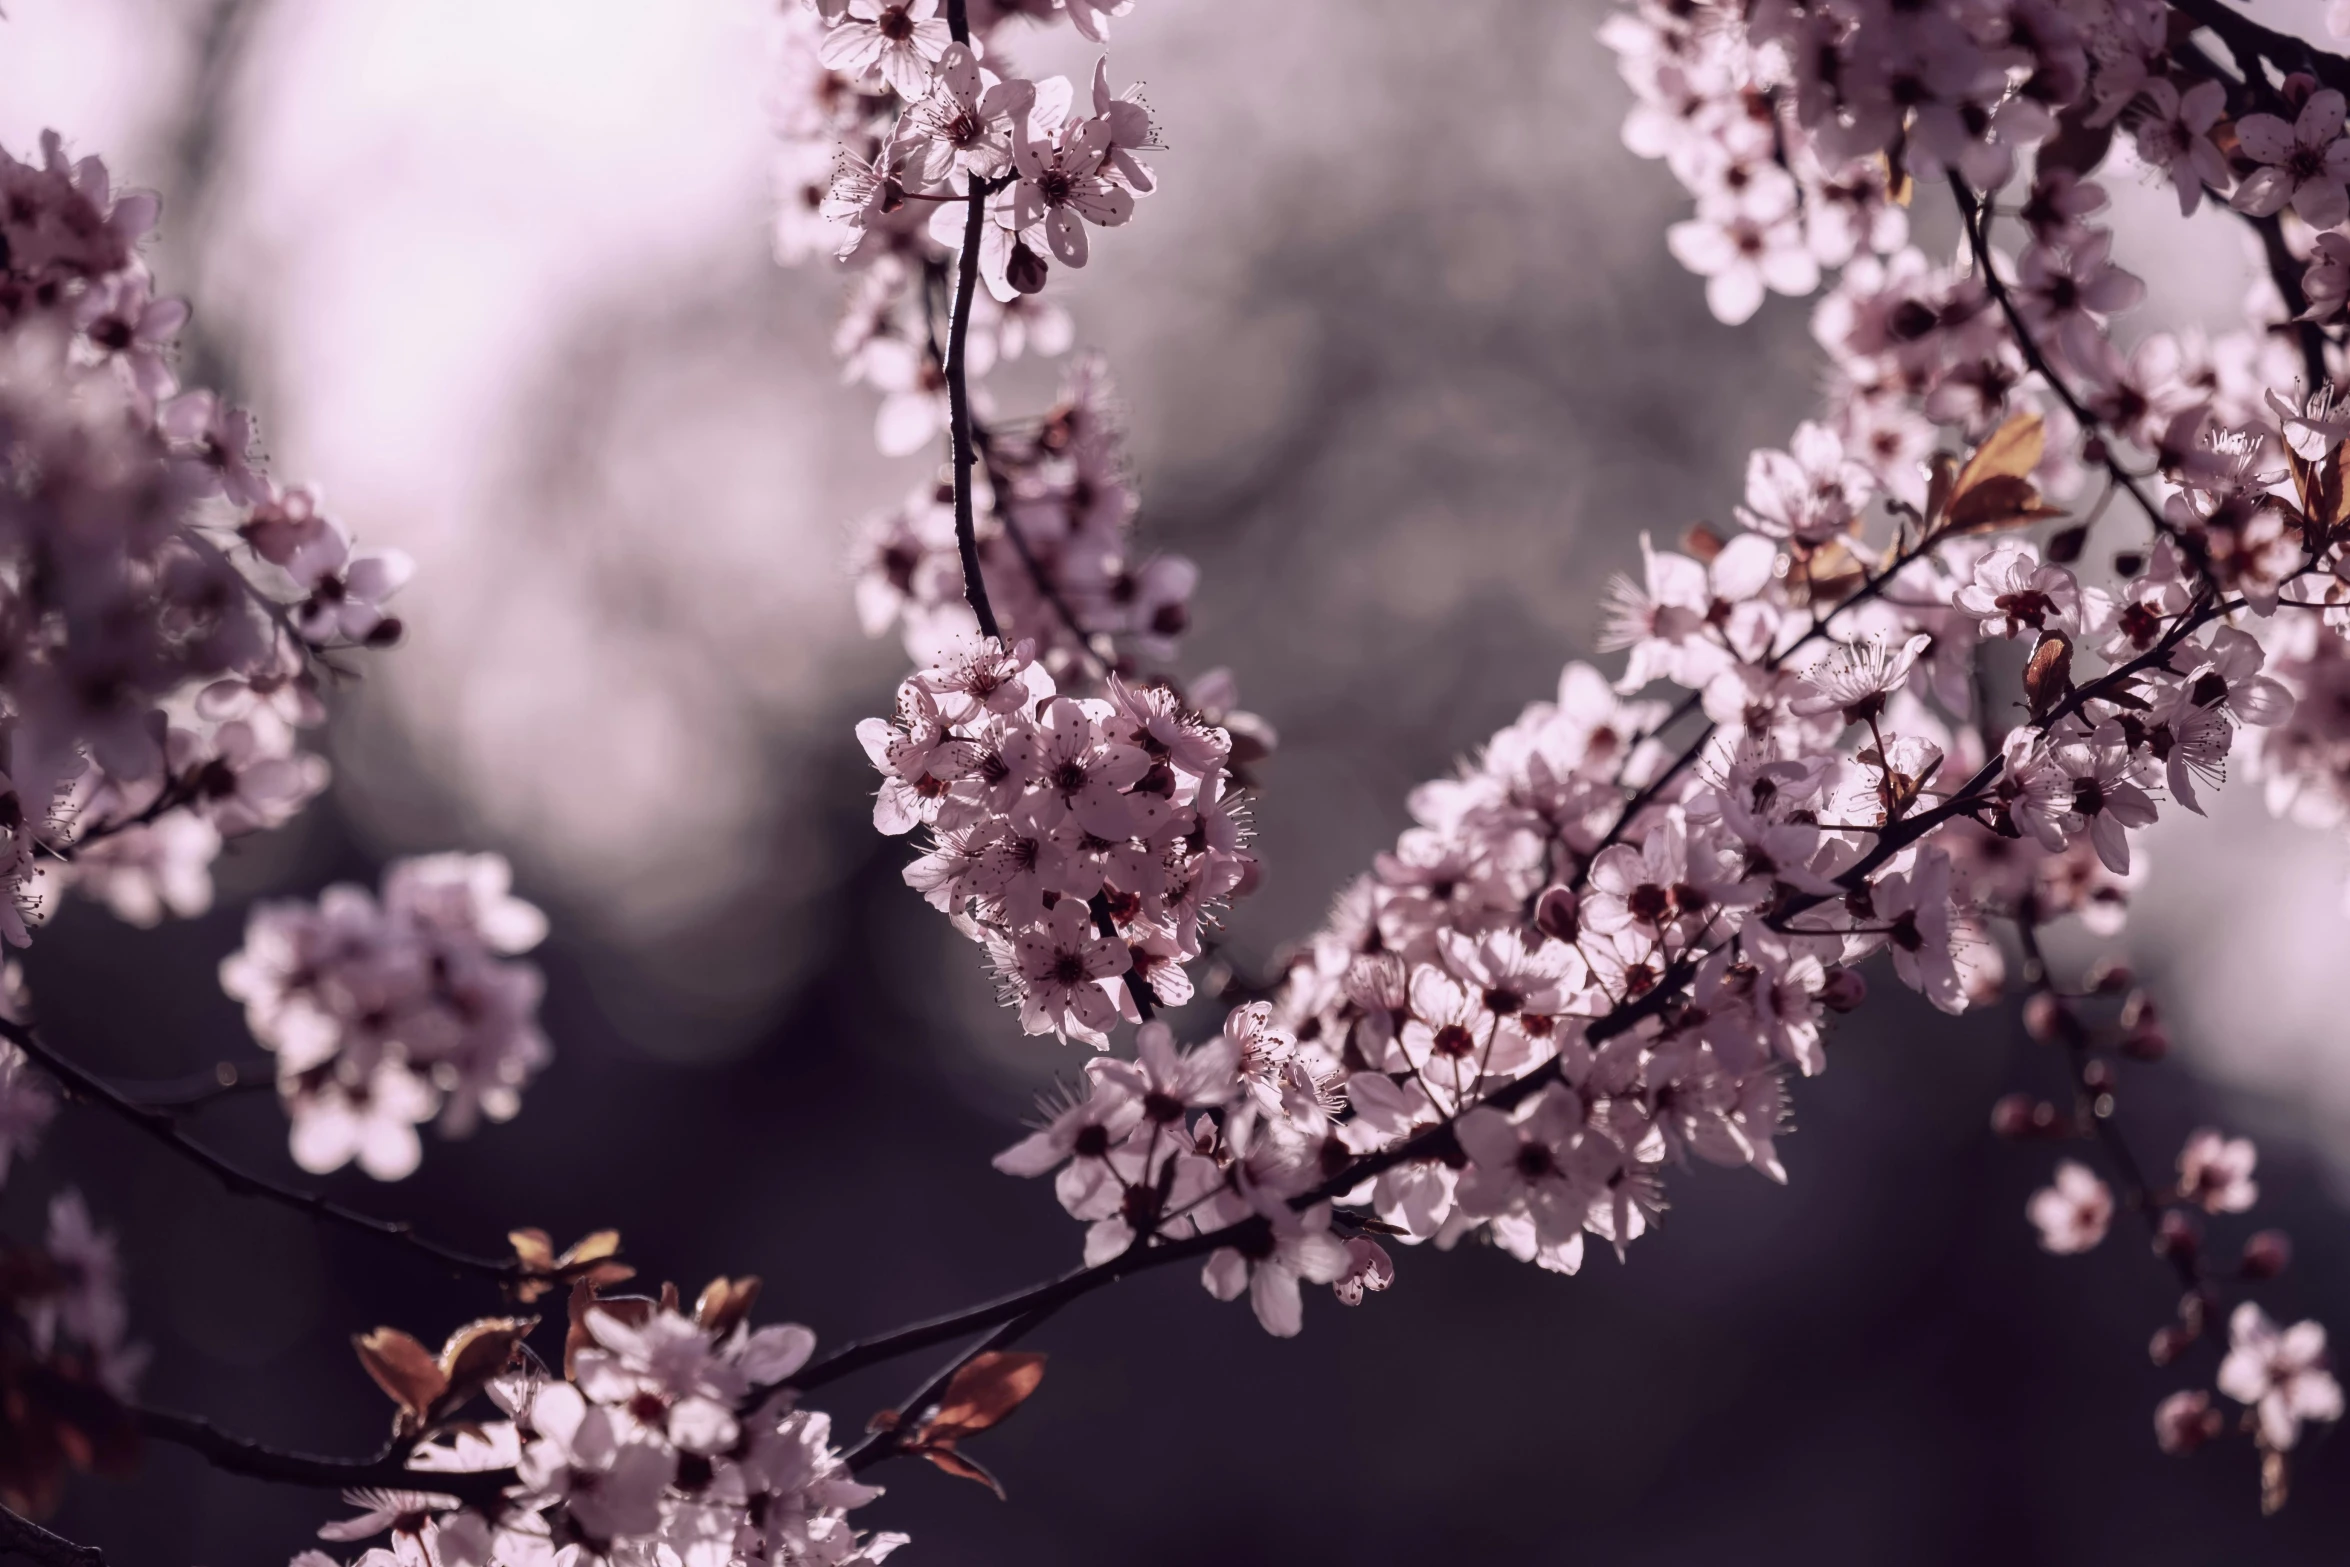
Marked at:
<point>162,1125</point>
<point>888,1442</point>
<point>257,1461</point>
<point>182,1095</point>
<point>2250,42</point>
<point>999,485</point>
<point>958,377</point>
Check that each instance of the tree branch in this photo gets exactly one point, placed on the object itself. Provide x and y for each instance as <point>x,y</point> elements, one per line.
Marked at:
<point>2250,42</point>
<point>181,1095</point>
<point>162,1125</point>
<point>958,378</point>
<point>25,1540</point>
<point>256,1461</point>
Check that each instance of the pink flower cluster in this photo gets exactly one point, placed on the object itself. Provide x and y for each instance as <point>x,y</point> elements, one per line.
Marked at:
<point>920,122</point>
<point>1084,842</point>
<point>1785,120</point>
<point>163,604</point>
<point>668,1440</point>
<point>385,1014</point>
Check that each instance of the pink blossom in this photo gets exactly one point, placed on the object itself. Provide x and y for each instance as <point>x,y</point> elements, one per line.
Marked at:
<point>2284,1375</point>
<point>2215,1172</point>
<point>2072,1215</point>
<point>2304,164</point>
<point>896,40</point>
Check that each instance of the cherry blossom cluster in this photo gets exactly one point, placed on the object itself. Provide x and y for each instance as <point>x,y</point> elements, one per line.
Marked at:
<point>1799,126</point>
<point>1084,842</point>
<point>165,607</point>
<point>667,1439</point>
<point>387,1013</point>
<point>914,122</point>
<point>1606,942</point>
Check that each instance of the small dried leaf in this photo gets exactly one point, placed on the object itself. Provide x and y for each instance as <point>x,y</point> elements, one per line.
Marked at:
<point>1941,475</point>
<point>1995,503</point>
<point>475,1353</point>
<point>2048,675</point>
<point>1828,573</point>
<point>532,1249</point>
<point>2012,452</point>
<point>984,1392</point>
<point>1898,187</point>
<point>725,1303</point>
<point>590,1258</point>
<point>592,1248</point>
<point>404,1369</point>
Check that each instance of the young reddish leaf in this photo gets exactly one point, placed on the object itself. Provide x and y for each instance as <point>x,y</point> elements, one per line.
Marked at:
<point>984,1392</point>
<point>956,1464</point>
<point>405,1370</point>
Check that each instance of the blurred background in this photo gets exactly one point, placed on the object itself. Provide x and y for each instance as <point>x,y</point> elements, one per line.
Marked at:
<point>1410,372</point>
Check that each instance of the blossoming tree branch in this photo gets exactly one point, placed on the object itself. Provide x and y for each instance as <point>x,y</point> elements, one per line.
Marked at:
<point>1607,946</point>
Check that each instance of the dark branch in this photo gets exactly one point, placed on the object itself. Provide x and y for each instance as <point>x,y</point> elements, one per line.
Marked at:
<point>180,1095</point>
<point>2250,43</point>
<point>162,1125</point>
<point>25,1540</point>
<point>959,380</point>
<point>242,1456</point>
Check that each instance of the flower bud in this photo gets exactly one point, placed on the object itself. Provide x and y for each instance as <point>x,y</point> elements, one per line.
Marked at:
<point>2266,1254</point>
<point>1026,270</point>
<point>2175,1235</point>
<point>2185,1421</point>
<point>1558,915</point>
<point>2143,1039</point>
<point>2012,1116</point>
<point>2111,976</point>
<point>2168,1344</point>
<point>1844,991</point>
<point>2050,1021</point>
<point>2064,547</point>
